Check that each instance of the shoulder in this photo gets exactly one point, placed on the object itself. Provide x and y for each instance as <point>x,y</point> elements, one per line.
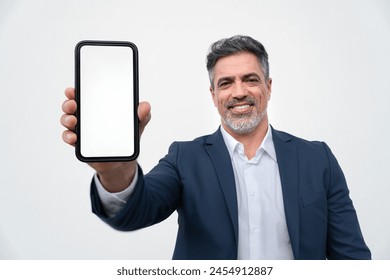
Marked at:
<point>198,148</point>
<point>282,136</point>
<point>200,141</point>
<point>313,157</point>
<point>303,146</point>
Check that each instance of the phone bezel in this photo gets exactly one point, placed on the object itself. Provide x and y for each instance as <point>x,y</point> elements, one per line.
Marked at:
<point>135,101</point>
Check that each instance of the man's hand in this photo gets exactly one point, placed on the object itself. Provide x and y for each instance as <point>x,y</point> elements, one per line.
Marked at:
<point>114,176</point>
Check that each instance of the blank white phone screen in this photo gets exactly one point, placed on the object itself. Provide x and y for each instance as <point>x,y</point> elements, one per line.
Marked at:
<point>106,101</point>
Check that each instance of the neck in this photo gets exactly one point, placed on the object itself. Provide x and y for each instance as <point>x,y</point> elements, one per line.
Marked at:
<point>251,141</point>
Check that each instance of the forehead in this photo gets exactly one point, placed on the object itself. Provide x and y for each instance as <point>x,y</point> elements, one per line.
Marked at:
<point>237,64</point>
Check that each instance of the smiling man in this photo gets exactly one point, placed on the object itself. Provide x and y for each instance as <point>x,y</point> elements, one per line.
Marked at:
<point>246,191</point>
<point>240,90</point>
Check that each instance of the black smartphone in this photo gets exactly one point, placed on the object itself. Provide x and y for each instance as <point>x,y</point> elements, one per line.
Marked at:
<point>106,84</point>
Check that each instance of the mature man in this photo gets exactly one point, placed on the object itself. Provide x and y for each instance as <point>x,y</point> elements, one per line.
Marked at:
<point>247,191</point>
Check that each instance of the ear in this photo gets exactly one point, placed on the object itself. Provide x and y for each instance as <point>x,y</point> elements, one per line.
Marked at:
<point>269,87</point>
<point>213,96</point>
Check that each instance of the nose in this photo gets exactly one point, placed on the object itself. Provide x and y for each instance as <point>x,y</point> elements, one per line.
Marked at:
<point>239,91</point>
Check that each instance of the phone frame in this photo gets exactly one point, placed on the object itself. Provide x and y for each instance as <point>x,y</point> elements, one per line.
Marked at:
<point>79,105</point>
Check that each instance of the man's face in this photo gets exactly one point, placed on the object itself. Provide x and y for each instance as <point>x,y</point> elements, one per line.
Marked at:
<point>240,92</point>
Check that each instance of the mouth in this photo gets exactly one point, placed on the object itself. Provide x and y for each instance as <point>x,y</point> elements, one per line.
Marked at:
<point>240,108</point>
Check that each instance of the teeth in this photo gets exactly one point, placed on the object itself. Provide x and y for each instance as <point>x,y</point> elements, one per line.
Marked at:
<point>241,106</point>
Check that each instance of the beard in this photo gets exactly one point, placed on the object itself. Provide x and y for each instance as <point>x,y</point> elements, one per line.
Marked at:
<point>243,123</point>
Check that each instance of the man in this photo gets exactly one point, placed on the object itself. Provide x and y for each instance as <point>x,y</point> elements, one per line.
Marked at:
<point>247,191</point>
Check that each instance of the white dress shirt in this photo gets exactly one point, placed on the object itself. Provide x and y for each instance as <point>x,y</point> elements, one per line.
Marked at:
<point>262,228</point>
<point>262,224</point>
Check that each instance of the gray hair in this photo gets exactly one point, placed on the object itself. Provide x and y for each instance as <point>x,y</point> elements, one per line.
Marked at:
<point>233,45</point>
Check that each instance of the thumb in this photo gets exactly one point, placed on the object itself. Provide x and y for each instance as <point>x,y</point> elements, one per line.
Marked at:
<point>144,115</point>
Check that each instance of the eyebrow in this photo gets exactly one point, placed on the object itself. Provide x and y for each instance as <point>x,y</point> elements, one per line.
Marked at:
<point>245,76</point>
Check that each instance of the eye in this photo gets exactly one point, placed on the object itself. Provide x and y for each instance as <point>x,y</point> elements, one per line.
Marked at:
<point>224,84</point>
<point>253,79</point>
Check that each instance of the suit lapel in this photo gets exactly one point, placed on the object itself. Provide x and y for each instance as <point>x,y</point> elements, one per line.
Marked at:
<point>288,168</point>
<point>217,150</point>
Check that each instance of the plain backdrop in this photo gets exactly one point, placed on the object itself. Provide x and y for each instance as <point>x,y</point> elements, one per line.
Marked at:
<point>329,61</point>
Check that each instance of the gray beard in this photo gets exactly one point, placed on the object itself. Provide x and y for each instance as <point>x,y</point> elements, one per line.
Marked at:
<point>244,124</point>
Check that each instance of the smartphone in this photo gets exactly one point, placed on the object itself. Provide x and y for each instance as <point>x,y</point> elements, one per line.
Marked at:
<point>106,84</point>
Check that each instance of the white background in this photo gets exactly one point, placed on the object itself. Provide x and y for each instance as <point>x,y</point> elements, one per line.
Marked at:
<point>329,62</point>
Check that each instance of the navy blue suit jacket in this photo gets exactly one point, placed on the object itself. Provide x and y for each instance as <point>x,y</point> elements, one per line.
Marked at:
<point>196,179</point>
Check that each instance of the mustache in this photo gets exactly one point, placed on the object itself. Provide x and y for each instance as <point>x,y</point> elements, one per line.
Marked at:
<point>245,100</point>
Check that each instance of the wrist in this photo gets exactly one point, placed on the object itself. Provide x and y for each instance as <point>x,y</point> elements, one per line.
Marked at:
<point>117,178</point>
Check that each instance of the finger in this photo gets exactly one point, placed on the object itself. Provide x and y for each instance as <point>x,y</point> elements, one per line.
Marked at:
<point>70,93</point>
<point>69,107</point>
<point>69,121</point>
<point>69,137</point>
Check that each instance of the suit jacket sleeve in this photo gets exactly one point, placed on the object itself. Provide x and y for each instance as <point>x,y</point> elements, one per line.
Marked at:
<point>345,239</point>
<point>155,197</point>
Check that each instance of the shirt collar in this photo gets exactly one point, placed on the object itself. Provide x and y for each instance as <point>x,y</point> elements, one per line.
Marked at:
<point>267,145</point>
